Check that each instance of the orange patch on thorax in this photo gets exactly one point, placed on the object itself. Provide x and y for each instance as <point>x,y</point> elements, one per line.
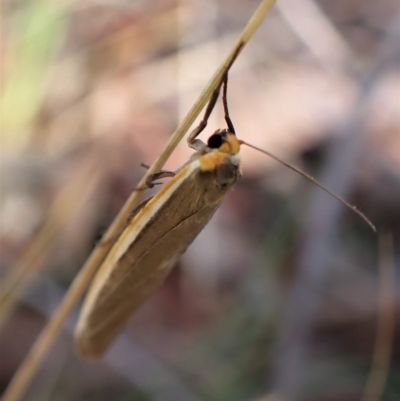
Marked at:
<point>210,161</point>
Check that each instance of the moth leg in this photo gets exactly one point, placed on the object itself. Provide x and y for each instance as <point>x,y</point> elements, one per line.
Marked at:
<point>136,210</point>
<point>146,166</point>
<point>228,120</point>
<point>158,176</point>
<point>198,144</point>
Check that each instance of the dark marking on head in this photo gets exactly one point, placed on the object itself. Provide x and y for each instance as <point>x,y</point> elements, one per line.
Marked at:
<point>215,141</point>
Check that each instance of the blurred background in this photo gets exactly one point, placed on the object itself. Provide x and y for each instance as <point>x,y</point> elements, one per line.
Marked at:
<point>285,294</point>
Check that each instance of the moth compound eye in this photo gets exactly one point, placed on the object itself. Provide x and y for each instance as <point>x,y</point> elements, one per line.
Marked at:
<point>215,141</point>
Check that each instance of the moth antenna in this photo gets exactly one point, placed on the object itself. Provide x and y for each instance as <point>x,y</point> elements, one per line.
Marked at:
<point>314,181</point>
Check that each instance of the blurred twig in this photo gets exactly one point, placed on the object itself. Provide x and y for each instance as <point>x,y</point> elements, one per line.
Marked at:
<point>320,231</point>
<point>29,366</point>
<point>88,175</point>
<point>386,321</point>
<point>22,92</point>
<point>324,41</point>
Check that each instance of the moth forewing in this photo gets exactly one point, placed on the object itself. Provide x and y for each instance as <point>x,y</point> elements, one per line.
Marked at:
<point>150,246</point>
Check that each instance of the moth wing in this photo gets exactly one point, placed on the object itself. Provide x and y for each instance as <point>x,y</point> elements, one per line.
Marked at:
<point>147,257</point>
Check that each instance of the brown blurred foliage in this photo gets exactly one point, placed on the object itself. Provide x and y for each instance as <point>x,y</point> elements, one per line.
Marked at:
<point>280,292</point>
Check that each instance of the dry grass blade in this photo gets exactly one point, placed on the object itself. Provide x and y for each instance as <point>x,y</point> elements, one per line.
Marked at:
<point>386,321</point>
<point>24,375</point>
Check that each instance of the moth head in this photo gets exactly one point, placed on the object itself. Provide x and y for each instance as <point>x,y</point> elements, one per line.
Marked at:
<point>224,141</point>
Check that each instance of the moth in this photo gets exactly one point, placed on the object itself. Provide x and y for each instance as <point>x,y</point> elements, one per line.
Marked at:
<point>160,230</point>
<point>158,234</point>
